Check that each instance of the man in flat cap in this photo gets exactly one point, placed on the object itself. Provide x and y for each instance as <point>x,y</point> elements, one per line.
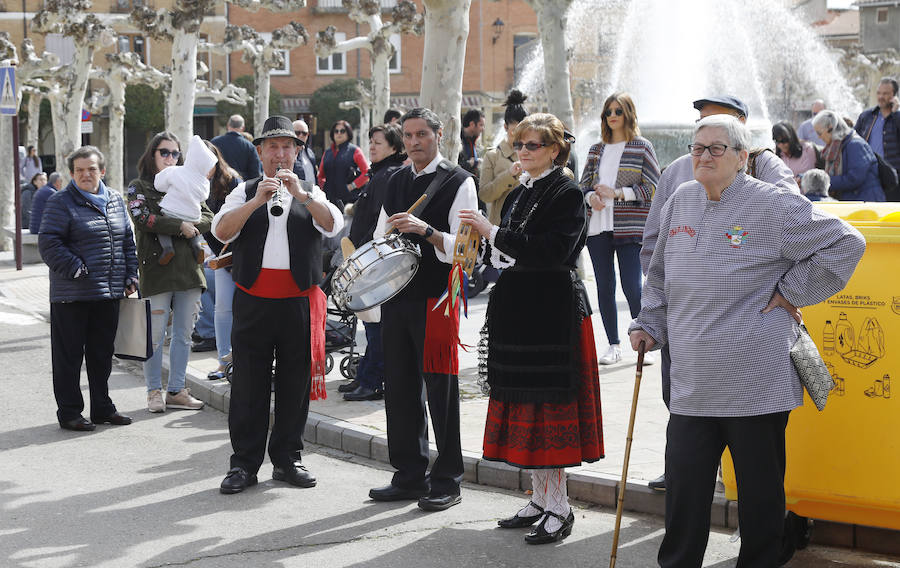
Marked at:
<point>274,224</point>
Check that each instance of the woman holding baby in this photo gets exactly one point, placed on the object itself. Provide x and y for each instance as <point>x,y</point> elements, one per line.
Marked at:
<point>169,212</point>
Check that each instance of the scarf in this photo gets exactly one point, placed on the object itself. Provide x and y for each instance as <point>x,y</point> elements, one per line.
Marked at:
<point>832,156</point>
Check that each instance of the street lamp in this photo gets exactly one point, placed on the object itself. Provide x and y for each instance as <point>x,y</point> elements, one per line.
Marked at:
<point>498,29</point>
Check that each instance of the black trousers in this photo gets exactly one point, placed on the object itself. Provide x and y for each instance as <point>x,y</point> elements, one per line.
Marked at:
<point>694,446</point>
<point>265,330</point>
<point>405,391</point>
<point>82,331</point>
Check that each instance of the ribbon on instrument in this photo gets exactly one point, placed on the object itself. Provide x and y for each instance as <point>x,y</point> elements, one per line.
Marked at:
<point>457,286</point>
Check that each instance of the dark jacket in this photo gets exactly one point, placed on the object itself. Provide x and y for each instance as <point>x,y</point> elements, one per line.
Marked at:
<point>182,272</point>
<point>298,164</point>
<point>341,165</point>
<point>75,233</point>
<point>27,198</point>
<point>38,202</point>
<point>859,180</point>
<point>371,198</point>
<point>239,153</point>
<point>890,133</point>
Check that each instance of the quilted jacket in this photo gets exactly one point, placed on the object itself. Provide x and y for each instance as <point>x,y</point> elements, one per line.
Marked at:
<point>76,233</point>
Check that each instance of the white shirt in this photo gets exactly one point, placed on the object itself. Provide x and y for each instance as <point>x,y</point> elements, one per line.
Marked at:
<point>466,198</point>
<point>276,253</point>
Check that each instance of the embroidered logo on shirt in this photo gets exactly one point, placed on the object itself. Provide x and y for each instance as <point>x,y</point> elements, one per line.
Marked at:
<point>682,229</point>
<point>736,236</point>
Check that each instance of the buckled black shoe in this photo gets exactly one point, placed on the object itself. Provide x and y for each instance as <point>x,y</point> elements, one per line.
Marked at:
<point>236,480</point>
<point>363,393</point>
<point>116,419</point>
<point>658,484</point>
<point>295,474</point>
<point>517,522</point>
<point>540,535</point>
<point>394,493</point>
<point>349,387</point>
<point>80,424</point>
<point>439,502</point>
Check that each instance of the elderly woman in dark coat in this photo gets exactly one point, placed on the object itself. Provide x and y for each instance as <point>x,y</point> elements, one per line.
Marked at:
<point>849,160</point>
<point>734,257</point>
<point>86,240</point>
<point>538,346</point>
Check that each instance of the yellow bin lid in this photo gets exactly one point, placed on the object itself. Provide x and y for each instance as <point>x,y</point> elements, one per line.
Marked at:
<point>879,222</point>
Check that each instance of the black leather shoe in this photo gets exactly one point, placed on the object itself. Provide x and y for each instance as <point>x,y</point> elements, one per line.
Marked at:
<point>539,534</point>
<point>116,419</point>
<point>295,474</point>
<point>236,480</point>
<point>80,424</point>
<point>364,393</point>
<point>215,375</point>
<point>658,484</point>
<point>206,344</point>
<point>349,387</point>
<point>394,493</point>
<point>517,522</point>
<point>439,502</point>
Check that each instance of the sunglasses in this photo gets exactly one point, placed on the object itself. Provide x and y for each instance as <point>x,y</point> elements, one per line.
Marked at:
<point>609,112</point>
<point>165,153</point>
<point>530,146</point>
<point>781,140</point>
<point>301,133</point>
<point>340,131</point>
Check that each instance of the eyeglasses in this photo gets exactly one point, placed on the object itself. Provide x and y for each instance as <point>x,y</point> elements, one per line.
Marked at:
<point>340,131</point>
<point>609,112</point>
<point>165,153</point>
<point>715,150</point>
<point>301,133</point>
<point>530,146</point>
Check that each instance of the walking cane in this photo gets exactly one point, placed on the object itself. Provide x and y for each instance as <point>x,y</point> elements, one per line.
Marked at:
<point>634,400</point>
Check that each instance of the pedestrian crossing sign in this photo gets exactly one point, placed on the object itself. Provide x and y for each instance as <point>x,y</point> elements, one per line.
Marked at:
<point>8,102</point>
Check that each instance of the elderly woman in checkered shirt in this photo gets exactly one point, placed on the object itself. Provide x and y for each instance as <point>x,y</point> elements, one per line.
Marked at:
<point>734,259</point>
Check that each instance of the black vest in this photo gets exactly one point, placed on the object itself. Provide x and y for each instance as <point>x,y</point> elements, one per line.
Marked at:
<point>430,280</point>
<point>304,241</point>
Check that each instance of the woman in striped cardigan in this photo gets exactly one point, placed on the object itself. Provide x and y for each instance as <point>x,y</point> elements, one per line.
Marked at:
<point>618,184</point>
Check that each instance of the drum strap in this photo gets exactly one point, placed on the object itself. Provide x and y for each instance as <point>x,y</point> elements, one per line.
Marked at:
<point>443,170</point>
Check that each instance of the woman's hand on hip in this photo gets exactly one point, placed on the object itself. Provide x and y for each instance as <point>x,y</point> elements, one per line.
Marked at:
<point>778,301</point>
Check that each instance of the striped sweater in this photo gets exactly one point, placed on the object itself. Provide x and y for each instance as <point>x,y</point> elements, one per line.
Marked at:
<point>639,170</point>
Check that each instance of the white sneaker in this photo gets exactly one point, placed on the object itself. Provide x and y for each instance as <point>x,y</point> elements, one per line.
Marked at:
<point>183,399</point>
<point>613,355</point>
<point>155,401</point>
<point>649,358</point>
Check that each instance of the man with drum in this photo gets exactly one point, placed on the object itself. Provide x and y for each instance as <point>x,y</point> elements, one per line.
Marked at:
<point>420,344</point>
<point>274,225</point>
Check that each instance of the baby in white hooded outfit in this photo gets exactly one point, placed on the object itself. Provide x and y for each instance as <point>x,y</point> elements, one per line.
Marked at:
<point>186,187</point>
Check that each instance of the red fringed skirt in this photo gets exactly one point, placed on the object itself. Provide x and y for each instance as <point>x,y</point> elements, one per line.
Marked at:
<point>546,435</point>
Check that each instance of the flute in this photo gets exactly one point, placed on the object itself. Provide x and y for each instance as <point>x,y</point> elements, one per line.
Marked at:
<point>277,205</point>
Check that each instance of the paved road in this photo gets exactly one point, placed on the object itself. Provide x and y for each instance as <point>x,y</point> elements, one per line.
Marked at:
<point>146,495</point>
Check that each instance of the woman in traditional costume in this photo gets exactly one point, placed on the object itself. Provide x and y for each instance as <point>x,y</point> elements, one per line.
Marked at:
<point>537,349</point>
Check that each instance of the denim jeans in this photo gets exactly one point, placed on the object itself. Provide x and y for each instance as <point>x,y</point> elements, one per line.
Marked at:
<point>602,247</point>
<point>224,301</point>
<point>205,321</point>
<point>370,372</point>
<point>184,305</point>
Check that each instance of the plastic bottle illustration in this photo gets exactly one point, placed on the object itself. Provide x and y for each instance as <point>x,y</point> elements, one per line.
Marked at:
<point>843,335</point>
<point>828,338</point>
<point>886,385</point>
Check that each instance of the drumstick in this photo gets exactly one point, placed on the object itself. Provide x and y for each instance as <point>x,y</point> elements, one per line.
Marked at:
<point>410,210</point>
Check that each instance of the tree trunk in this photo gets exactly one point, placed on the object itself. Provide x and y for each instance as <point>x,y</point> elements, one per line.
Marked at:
<point>7,181</point>
<point>115,162</point>
<point>180,100</point>
<point>261,99</point>
<point>66,103</point>
<point>32,136</point>
<point>446,32</point>
<point>381,84</point>
<point>551,17</point>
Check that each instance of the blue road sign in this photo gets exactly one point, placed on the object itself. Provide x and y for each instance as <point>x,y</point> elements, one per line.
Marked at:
<point>8,103</point>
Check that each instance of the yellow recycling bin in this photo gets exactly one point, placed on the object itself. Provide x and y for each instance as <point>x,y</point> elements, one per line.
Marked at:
<point>843,464</point>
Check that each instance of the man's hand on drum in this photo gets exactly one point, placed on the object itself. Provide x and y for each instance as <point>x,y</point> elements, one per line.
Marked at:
<point>407,223</point>
<point>478,221</point>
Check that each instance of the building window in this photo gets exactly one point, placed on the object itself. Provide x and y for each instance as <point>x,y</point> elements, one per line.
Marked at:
<point>395,62</point>
<point>134,44</point>
<point>125,6</point>
<point>284,69</point>
<point>336,63</point>
<point>881,16</point>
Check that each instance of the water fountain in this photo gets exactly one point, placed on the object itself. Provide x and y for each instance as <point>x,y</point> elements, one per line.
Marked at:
<point>668,53</point>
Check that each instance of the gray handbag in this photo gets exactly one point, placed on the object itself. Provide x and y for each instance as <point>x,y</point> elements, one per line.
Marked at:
<point>134,339</point>
<point>811,368</point>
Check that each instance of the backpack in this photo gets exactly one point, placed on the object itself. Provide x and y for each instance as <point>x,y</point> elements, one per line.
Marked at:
<point>887,175</point>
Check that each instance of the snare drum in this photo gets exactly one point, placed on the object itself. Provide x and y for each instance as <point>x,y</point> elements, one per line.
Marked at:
<point>375,273</point>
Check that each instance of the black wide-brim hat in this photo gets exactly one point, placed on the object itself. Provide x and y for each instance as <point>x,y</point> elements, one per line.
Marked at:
<point>277,127</point>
